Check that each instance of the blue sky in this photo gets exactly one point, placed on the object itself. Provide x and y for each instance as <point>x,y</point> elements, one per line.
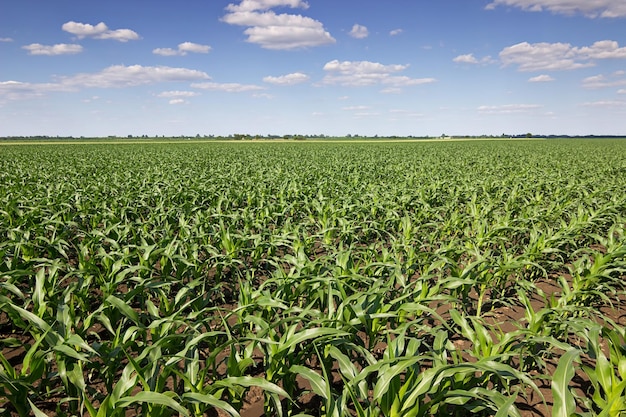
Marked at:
<point>334,67</point>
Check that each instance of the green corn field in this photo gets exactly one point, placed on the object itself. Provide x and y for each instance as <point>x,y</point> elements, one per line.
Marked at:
<point>313,279</point>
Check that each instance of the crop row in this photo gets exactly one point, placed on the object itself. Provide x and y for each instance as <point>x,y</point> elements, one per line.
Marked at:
<point>330,279</point>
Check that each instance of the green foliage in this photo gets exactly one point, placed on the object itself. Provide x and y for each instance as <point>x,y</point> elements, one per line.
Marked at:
<point>179,278</point>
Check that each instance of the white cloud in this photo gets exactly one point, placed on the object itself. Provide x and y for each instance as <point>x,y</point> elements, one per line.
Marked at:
<point>466,59</point>
<point>508,108</point>
<point>362,67</point>
<point>16,90</point>
<point>604,81</point>
<point>277,31</point>
<point>595,81</point>
<point>121,35</point>
<point>99,31</point>
<point>359,32</point>
<point>355,108</point>
<point>166,52</point>
<point>605,104</point>
<point>289,79</point>
<point>116,76</point>
<point>183,49</point>
<point>366,73</point>
<point>540,79</point>
<point>6,39</point>
<point>588,8</point>
<point>58,49</point>
<point>621,91</point>
<point>404,81</point>
<point>177,94</point>
<point>391,90</point>
<point>602,50</point>
<point>263,95</point>
<point>292,37</point>
<point>541,57</point>
<point>396,32</point>
<point>227,87</point>
<point>559,56</point>
<point>471,59</point>
<point>194,47</point>
<point>253,5</point>
<point>84,30</point>
<point>177,101</point>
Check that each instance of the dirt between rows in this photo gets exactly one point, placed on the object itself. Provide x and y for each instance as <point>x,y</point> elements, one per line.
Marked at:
<point>506,318</point>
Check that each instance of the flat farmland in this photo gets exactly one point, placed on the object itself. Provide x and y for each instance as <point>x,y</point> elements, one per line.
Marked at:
<point>313,279</point>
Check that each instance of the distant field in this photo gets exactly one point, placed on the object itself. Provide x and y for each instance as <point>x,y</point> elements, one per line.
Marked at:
<point>407,278</point>
<point>85,141</point>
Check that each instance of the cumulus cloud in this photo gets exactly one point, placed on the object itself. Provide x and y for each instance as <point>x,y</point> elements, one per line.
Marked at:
<point>99,31</point>
<point>194,47</point>
<point>471,59</point>
<point>166,52</point>
<point>396,32</point>
<point>289,79</point>
<point>227,87</point>
<point>466,59</point>
<point>253,5</point>
<point>508,108</point>
<point>588,8</point>
<point>277,31</point>
<point>541,79</point>
<point>116,76</point>
<point>366,73</point>
<point>359,32</point>
<point>58,49</point>
<point>606,49</point>
<point>604,81</point>
<point>545,56</point>
<point>183,49</point>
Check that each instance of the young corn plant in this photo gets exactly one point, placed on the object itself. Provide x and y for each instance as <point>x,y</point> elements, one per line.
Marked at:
<point>608,376</point>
